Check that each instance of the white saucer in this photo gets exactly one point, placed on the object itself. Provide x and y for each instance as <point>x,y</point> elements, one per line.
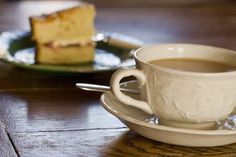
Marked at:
<point>135,120</point>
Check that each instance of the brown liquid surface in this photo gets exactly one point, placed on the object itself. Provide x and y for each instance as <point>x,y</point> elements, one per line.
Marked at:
<point>194,65</point>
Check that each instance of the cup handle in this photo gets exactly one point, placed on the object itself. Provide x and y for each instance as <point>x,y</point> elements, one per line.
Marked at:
<point>115,88</point>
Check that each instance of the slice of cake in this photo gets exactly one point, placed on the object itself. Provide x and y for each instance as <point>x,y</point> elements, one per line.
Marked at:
<point>72,54</point>
<point>69,26</point>
<point>64,37</point>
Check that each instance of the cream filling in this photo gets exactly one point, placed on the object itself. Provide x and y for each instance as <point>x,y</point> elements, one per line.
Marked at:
<point>64,43</point>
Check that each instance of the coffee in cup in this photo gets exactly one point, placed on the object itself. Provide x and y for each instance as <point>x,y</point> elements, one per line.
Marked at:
<point>186,85</point>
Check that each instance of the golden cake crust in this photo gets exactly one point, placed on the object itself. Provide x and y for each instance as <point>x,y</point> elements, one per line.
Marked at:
<point>69,25</point>
<point>45,18</point>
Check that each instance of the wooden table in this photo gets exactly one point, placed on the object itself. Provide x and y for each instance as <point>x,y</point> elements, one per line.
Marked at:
<point>44,115</point>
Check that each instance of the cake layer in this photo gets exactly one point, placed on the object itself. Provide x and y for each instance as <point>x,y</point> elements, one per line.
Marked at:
<point>64,55</point>
<point>66,27</point>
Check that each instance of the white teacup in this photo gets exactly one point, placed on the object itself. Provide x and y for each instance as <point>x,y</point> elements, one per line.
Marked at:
<point>181,98</point>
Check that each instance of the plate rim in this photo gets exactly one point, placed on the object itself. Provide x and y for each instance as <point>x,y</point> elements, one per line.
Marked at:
<point>46,67</point>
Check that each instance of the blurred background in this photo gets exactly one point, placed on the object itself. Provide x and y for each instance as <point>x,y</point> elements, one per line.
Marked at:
<point>154,21</point>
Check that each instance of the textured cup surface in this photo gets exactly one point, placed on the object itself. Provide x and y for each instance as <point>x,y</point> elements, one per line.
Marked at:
<point>182,96</point>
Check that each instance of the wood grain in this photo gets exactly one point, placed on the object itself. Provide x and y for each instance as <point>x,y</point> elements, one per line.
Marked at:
<point>6,147</point>
<point>55,110</point>
<point>45,115</point>
<point>115,142</point>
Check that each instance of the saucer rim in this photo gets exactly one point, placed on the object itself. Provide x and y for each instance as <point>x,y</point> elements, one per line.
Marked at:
<point>159,127</point>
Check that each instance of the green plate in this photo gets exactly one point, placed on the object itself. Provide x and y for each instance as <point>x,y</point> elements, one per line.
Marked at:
<point>17,48</point>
